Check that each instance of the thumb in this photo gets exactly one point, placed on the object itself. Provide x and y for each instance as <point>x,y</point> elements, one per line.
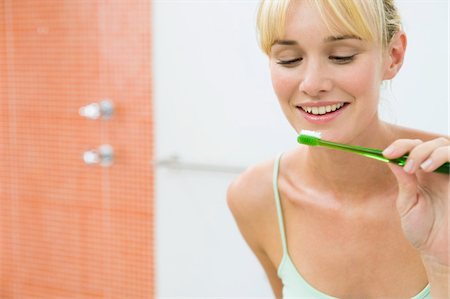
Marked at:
<point>407,189</point>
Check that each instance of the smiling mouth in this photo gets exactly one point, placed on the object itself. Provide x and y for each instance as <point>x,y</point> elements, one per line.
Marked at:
<point>321,110</point>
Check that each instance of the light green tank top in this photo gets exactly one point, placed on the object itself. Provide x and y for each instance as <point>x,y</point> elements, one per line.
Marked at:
<point>294,286</point>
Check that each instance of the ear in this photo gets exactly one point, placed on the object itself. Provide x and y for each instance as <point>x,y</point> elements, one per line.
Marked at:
<point>395,55</point>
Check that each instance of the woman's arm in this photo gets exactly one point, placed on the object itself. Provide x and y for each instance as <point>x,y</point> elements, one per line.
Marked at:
<point>247,200</point>
<point>423,205</point>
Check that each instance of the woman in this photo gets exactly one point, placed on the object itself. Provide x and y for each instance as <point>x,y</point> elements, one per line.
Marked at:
<point>325,223</point>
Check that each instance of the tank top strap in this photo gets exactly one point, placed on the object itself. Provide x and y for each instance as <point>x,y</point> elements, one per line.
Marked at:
<point>278,203</point>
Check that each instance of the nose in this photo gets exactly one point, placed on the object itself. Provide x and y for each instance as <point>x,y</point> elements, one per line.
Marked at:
<point>315,80</point>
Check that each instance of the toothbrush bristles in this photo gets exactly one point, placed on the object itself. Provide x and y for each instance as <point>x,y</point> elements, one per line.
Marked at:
<point>311,133</point>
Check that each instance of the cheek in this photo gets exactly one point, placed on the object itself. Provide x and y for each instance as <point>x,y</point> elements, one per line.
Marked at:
<point>363,82</point>
<point>284,84</point>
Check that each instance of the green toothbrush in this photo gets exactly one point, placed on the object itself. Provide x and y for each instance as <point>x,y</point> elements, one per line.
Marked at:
<point>313,139</point>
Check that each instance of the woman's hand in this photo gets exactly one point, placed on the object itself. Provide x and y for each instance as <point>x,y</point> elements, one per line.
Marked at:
<point>423,196</point>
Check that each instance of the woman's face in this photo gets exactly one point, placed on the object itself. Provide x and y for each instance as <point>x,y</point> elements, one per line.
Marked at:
<point>324,82</point>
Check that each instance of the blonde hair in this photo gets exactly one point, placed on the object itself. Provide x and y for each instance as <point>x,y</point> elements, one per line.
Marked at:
<point>371,20</point>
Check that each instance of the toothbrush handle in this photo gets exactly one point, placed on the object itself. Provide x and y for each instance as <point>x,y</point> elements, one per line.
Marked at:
<point>378,155</point>
<point>444,168</point>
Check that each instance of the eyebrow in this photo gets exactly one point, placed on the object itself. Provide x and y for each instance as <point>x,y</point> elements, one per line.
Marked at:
<point>286,42</point>
<point>340,37</point>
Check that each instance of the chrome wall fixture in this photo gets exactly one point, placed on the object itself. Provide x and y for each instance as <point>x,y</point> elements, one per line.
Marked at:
<point>103,109</point>
<point>104,154</point>
<point>174,162</point>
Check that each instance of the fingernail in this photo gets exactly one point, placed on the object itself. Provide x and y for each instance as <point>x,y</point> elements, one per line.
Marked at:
<point>388,151</point>
<point>426,164</point>
<point>409,165</point>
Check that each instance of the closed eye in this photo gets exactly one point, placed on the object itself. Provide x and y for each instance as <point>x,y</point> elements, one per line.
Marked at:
<point>342,59</point>
<point>289,62</point>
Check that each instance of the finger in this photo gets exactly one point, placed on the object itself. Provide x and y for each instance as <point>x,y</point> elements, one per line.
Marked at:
<point>422,152</point>
<point>400,147</point>
<point>436,159</point>
<point>407,190</point>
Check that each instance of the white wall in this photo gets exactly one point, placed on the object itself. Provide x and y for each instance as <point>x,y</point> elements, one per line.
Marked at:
<point>214,105</point>
<point>420,91</point>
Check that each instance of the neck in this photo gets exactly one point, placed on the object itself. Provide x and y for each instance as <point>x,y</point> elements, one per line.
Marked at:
<point>347,173</point>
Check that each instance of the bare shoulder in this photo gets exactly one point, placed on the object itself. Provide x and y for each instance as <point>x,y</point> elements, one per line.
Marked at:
<point>248,195</point>
<point>250,199</point>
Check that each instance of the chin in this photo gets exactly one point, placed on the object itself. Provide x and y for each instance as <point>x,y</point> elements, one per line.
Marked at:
<point>336,135</point>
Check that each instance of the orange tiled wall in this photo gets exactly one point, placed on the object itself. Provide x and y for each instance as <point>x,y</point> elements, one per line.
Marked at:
<point>67,229</point>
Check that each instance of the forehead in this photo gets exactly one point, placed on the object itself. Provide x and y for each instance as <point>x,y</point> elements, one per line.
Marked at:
<point>303,19</point>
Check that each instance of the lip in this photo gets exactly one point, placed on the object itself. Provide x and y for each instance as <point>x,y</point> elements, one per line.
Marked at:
<point>324,118</point>
<point>319,104</point>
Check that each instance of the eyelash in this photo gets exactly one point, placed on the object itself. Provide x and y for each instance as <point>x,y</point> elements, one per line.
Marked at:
<point>289,62</point>
<point>336,59</point>
<point>342,59</point>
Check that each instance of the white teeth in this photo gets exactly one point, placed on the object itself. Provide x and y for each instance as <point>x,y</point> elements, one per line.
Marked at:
<point>322,109</point>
